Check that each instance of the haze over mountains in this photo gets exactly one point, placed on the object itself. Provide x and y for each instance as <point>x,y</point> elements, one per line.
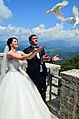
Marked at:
<point>66,49</point>
<point>52,43</point>
<point>49,44</point>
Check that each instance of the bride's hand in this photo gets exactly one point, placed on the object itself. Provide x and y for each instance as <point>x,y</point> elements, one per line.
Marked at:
<point>39,49</point>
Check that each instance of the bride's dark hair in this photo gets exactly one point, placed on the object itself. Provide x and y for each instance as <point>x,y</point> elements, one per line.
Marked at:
<point>9,41</point>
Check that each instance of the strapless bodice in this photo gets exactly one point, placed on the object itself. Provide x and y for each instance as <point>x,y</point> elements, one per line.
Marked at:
<point>14,65</point>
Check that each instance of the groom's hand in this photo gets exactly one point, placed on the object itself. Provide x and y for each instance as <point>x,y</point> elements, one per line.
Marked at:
<point>56,58</point>
<point>45,58</point>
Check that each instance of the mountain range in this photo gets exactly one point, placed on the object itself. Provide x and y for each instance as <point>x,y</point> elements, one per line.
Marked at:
<point>50,43</point>
<point>66,49</point>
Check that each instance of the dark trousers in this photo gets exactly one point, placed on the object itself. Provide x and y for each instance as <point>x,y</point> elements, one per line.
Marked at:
<point>40,82</point>
<point>42,85</point>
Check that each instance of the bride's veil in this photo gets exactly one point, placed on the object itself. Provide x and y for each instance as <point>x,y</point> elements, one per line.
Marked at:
<point>4,64</point>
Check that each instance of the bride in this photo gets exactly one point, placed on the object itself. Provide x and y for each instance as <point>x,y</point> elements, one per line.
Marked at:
<point>19,97</point>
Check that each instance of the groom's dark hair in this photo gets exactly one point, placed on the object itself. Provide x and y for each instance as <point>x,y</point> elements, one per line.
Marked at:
<point>30,37</point>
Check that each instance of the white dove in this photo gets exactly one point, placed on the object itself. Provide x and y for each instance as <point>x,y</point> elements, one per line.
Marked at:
<point>73,20</point>
<point>56,10</point>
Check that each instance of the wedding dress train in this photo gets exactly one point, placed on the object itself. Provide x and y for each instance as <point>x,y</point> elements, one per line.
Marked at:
<point>19,97</point>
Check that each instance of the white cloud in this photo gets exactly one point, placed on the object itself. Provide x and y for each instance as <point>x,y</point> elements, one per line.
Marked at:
<point>5,12</point>
<point>54,33</point>
<point>9,31</point>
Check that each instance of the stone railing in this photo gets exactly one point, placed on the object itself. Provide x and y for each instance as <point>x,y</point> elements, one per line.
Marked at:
<point>69,98</point>
<point>67,105</point>
<point>54,70</point>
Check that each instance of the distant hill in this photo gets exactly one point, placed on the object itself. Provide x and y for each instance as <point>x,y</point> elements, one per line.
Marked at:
<point>55,43</point>
<point>2,45</point>
<point>48,44</point>
<point>65,49</point>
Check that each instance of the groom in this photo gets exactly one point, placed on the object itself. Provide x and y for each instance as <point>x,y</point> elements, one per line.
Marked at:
<point>36,66</point>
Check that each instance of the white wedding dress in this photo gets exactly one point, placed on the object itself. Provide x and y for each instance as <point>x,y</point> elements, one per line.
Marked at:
<point>19,97</point>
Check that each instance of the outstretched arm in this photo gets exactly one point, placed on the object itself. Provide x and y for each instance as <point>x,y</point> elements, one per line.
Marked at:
<point>33,53</point>
<point>22,56</point>
<point>56,58</point>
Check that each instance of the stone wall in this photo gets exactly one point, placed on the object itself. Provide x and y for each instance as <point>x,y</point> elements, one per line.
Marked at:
<point>54,69</point>
<point>69,99</point>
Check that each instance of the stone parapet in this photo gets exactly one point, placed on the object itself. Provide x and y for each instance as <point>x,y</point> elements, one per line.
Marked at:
<point>69,99</point>
<point>54,69</point>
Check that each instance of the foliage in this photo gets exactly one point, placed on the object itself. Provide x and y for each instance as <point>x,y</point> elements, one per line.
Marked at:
<point>73,63</point>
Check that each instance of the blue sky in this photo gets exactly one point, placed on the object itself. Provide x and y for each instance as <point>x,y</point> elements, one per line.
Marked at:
<point>20,18</point>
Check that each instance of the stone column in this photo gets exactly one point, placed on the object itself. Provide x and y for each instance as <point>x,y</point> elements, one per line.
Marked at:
<point>69,99</point>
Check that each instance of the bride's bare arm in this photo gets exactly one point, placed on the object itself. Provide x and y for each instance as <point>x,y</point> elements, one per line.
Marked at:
<point>22,56</point>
